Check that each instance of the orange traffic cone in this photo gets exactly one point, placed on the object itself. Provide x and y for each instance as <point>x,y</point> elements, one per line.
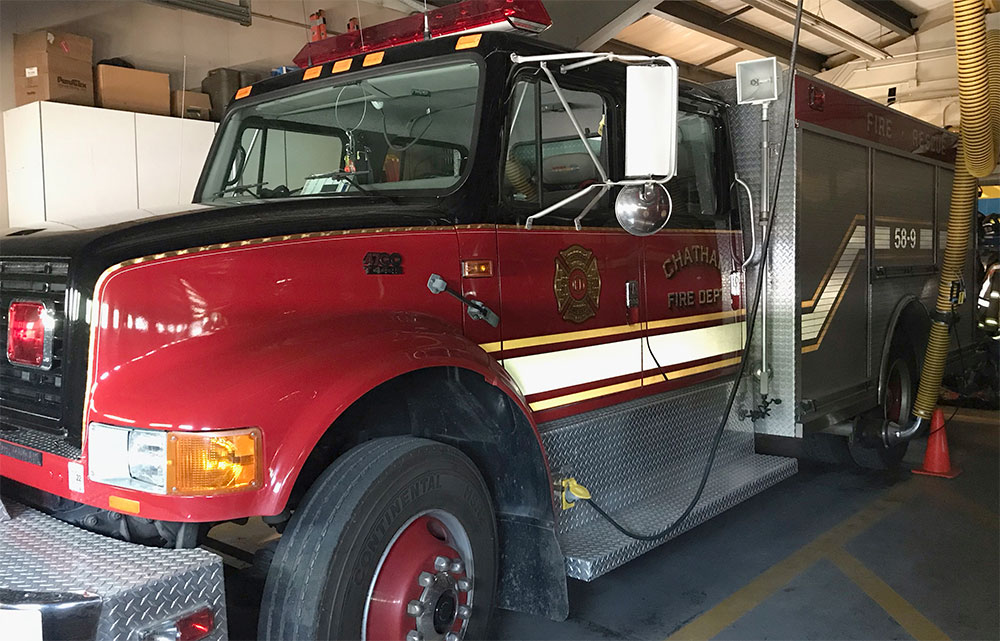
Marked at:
<point>937,462</point>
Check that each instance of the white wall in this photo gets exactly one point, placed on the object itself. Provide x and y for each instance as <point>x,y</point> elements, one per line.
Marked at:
<point>926,85</point>
<point>159,38</point>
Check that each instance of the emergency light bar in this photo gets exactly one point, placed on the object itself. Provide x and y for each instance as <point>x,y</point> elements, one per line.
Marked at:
<point>527,16</point>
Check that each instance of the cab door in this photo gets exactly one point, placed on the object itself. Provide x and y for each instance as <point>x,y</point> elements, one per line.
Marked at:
<point>570,305</point>
<point>694,313</point>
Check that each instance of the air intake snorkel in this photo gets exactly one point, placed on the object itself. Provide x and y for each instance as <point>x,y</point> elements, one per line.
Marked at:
<point>979,95</point>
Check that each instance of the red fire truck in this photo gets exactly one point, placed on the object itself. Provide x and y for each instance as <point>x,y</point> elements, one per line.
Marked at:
<point>404,325</point>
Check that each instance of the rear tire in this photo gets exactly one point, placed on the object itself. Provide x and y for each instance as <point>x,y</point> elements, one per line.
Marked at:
<point>866,445</point>
<point>363,552</point>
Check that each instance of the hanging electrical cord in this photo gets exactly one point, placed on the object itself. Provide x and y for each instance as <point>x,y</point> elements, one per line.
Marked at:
<point>751,321</point>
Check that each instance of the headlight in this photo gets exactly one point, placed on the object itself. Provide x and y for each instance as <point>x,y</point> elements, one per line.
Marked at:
<point>147,457</point>
<point>199,463</point>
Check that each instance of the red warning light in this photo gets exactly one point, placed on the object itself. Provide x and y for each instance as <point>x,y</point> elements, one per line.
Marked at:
<point>463,17</point>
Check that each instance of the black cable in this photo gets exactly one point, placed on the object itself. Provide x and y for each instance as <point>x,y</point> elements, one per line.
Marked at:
<point>751,318</point>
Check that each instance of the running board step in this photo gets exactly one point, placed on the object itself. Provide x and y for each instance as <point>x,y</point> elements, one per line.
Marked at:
<point>642,462</point>
<point>597,547</point>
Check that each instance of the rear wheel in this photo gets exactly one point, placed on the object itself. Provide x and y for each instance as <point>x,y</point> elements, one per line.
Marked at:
<point>867,447</point>
<point>395,540</point>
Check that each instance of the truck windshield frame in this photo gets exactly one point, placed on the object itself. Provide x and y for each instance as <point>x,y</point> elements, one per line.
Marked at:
<point>415,133</point>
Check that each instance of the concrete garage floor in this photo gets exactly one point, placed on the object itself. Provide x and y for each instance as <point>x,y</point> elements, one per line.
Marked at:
<point>831,553</point>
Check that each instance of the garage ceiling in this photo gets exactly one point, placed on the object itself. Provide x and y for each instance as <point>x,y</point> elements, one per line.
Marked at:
<point>873,47</point>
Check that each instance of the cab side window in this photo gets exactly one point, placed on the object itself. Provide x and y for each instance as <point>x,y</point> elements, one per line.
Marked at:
<point>695,189</point>
<point>547,161</point>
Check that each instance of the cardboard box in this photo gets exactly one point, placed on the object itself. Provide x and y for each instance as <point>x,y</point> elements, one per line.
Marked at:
<point>197,105</point>
<point>132,90</point>
<point>53,65</point>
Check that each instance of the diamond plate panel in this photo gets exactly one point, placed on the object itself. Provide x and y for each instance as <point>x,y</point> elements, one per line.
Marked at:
<point>782,298</point>
<point>41,442</point>
<point>138,585</point>
<point>643,460</point>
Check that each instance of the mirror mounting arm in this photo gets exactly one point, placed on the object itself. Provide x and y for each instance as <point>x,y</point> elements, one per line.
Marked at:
<point>583,59</point>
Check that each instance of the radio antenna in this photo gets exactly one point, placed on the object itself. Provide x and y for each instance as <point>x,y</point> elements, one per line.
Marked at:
<point>360,30</point>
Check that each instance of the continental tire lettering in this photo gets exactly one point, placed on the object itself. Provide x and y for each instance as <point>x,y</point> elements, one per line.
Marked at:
<point>377,538</point>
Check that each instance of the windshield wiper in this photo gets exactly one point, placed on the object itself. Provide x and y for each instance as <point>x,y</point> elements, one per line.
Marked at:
<point>238,188</point>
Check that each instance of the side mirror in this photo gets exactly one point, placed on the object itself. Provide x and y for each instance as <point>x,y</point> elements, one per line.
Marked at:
<point>643,210</point>
<point>651,121</point>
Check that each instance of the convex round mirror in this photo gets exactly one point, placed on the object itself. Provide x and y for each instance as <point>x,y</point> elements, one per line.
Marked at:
<point>644,209</point>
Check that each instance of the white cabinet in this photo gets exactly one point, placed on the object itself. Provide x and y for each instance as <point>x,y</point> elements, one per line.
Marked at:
<point>169,155</point>
<point>68,163</point>
<point>88,160</point>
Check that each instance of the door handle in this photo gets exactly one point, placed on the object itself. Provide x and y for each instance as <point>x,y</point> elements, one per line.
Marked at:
<point>477,309</point>
<point>632,301</point>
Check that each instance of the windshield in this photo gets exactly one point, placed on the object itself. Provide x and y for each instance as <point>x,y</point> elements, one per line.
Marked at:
<point>403,131</point>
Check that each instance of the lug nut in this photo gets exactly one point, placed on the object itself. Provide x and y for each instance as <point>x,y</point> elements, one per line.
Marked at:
<point>425,579</point>
<point>457,566</point>
<point>413,635</point>
<point>463,585</point>
<point>451,636</point>
<point>414,608</point>
<point>464,612</point>
<point>441,564</point>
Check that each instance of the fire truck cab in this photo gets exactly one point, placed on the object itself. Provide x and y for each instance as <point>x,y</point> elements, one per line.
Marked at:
<point>405,325</point>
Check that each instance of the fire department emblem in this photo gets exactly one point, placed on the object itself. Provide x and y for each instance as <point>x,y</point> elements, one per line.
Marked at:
<point>577,284</point>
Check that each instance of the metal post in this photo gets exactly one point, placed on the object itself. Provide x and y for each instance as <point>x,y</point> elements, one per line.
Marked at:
<point>764,373</point>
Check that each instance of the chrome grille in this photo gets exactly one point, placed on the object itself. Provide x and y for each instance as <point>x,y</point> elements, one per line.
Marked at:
<point>32,398</point>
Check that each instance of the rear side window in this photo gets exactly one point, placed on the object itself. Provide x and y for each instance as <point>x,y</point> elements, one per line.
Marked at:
<point>546,160</point>
<point>695,188</point>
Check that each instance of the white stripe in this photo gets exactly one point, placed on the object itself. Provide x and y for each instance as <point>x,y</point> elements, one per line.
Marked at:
<point>692,345</point>
<point>882,237</point>
<point>926,238</point>
<point>812,321</point>
<point>565,368</point>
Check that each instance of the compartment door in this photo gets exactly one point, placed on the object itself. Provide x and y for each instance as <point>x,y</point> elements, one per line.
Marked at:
<point>832,265</point>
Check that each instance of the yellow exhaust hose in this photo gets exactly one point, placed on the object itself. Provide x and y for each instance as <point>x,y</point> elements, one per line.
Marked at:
<point>977,129</point>
<point>993,62</point>
<point>963,201</point>
<point>979,100</point>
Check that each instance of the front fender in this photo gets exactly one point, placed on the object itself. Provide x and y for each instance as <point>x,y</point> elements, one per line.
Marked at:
<point>291,377</point>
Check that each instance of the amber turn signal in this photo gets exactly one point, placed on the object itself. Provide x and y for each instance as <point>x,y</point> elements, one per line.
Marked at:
<point>213,462</point>
<point>477,268</point>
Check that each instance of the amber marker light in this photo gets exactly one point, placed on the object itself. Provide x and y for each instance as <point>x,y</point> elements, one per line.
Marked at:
<point>204,463</point>
<point>477,268</point>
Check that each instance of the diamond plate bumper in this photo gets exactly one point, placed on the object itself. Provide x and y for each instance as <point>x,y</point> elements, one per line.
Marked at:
<point>90,587</point>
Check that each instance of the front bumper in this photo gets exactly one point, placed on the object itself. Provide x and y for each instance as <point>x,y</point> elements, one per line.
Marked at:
<point>89,587</point>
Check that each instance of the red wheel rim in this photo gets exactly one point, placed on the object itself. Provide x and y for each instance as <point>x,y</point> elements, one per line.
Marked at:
<point>894,397</point>
<point>422,588</point>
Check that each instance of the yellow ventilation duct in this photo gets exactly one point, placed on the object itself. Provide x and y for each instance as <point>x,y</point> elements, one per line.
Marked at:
<point>979,100</point>
<point>974,95</point>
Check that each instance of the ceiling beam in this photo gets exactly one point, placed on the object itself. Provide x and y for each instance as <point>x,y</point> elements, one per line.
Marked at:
<point>707,20</point>
<point>614,26</point>
<point>234,11</point>
<point>821,28</point>
<point>688,71</point>
<point>887,13</point>
<point>722,56</point>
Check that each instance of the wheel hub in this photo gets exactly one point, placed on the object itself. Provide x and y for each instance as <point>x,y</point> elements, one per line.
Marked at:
<point>422,589</point>
<point>440,609</point>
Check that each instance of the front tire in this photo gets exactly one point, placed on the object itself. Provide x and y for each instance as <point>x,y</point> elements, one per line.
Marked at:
<point>395,540</point>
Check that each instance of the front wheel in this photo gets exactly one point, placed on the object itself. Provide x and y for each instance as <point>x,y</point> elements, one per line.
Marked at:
<point>395,540</point>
